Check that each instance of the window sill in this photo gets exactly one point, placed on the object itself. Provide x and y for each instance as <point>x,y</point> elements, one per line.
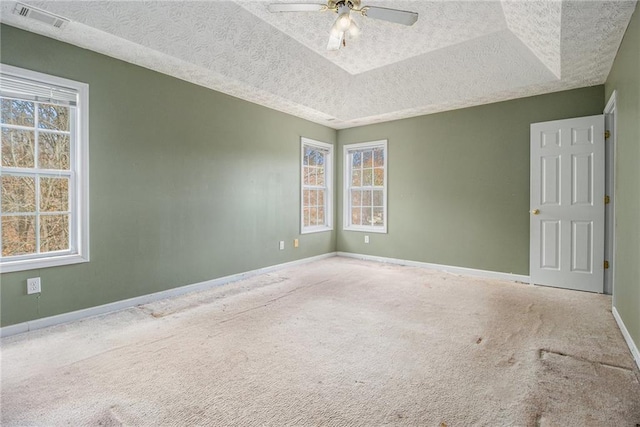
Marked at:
<point>37,263</point>
<point>315,230</point>
<point>366,229</point>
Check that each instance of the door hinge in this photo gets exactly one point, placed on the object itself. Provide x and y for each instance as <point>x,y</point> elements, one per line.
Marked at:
<point>606,265</point>
<point>607,200</point>
<point>607,134</point>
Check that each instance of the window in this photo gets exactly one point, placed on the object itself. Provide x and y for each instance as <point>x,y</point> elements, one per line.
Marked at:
<point>43,170</point>
<point>317,195</point>
<point>365,195</point>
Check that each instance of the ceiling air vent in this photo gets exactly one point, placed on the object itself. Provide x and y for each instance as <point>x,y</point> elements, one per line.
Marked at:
<point>39,15</point>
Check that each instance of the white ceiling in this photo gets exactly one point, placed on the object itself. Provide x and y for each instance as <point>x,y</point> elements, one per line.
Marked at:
<point>458,54</point>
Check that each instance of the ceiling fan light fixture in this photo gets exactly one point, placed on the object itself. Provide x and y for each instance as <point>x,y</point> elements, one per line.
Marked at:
<point>344,25</point>
<point>343,22</point>
<point>354,29</point>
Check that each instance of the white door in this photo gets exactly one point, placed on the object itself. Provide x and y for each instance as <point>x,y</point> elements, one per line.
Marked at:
<point>567,203</point>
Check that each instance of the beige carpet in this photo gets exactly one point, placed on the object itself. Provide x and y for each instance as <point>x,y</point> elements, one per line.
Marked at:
<point>338,342</point>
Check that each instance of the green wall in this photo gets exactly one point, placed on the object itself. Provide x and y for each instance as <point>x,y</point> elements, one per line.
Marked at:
<point>186,184</point>
<point>625,79</point>
<point>458,191</point>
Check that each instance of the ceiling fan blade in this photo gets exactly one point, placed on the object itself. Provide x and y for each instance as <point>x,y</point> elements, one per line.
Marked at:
<point>392,15</point>
<point>335,41</point>
<point>296,7</point>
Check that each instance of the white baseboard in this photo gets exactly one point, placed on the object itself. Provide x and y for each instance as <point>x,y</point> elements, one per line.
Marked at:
<point>32,325</point>
<point>447,268</point>
<point>627,336</point>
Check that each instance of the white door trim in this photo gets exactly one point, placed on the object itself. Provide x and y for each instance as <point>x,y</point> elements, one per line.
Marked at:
<point>610,124</point>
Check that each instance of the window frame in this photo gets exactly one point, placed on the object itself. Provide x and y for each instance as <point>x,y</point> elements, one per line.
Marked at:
<point>348,163</point>
<point>78,174</point>
<point>328,185</point>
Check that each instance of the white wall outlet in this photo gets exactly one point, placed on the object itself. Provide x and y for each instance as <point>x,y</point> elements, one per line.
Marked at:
<point>33,286</point>
<point>366,239</point>
<point>281,245</point>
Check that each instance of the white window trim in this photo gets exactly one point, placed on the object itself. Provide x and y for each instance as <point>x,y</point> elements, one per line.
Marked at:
<point>328,178</point>
<point>347,185</point>
<point>80,253</point>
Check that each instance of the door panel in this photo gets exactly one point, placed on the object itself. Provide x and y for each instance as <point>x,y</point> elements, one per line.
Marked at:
<point>567,203</point>
<point>550,180</point>
<point>582,179</point>
<point>581,246</point>
<point>550,245</point>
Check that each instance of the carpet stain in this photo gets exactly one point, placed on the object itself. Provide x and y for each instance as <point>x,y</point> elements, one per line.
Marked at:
<point>235,359</point>
<point>109,418</point>
<point>479,340</point>
<point>539,322</point>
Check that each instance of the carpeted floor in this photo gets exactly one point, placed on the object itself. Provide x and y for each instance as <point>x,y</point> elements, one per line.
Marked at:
<point>338,342</point>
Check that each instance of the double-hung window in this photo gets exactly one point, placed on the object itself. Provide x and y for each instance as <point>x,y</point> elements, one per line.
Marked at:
<point>317,195</point>
<point>365,182</point>
<point>43,170</point>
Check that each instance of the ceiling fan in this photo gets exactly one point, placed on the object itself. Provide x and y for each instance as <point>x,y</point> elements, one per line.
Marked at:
<point>343,22</point>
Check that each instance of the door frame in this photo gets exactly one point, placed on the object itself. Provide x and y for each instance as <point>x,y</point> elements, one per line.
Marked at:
<point>610,124</point>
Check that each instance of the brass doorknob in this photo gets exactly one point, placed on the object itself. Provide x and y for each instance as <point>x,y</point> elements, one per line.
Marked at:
<point>535,211</point>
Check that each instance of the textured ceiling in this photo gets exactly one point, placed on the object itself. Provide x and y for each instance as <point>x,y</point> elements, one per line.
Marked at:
<point>458,54</point>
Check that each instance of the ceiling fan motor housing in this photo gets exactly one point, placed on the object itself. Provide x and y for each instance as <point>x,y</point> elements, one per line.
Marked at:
<point>352,4</point>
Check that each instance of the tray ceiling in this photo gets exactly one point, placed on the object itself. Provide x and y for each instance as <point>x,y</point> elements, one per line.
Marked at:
<point>458,54</point>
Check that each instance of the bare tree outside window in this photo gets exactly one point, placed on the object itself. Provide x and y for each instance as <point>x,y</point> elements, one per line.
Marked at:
<point>34,197</point>
<point>316,170</point>
<point>314,186</point>
<point>365,186</point>
<point>44,160</point>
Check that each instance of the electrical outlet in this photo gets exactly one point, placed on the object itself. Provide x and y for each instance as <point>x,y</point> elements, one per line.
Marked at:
<point>295,243</point>
<point>281,245</point>
<point>366,239</point>
<point>33,286</point>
